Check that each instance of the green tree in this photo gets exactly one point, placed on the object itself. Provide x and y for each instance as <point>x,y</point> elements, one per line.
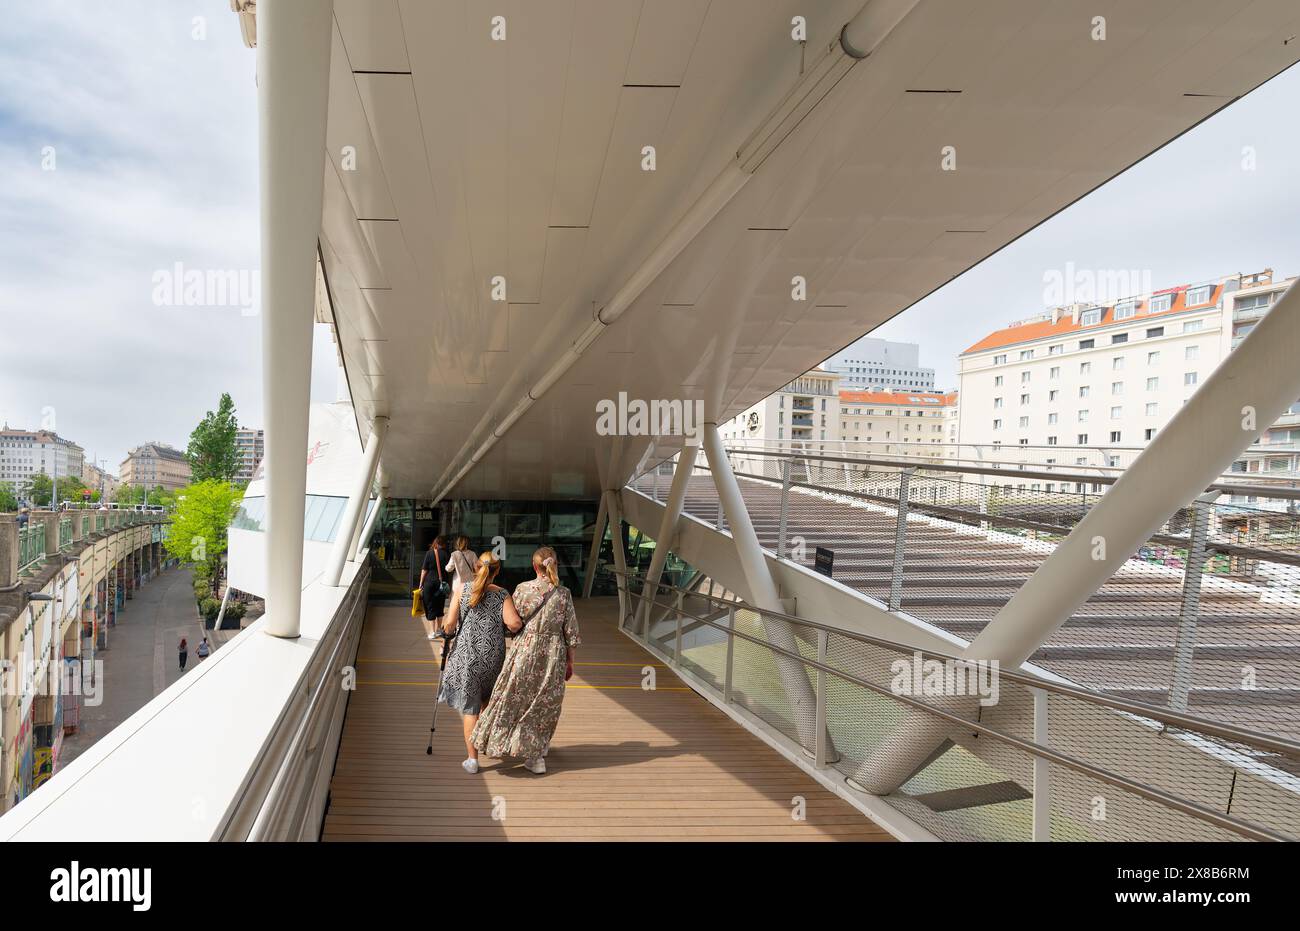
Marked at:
<point>41,489</point>
<point>8,502</point>
<point>197,534</point>
<point>212,452</point>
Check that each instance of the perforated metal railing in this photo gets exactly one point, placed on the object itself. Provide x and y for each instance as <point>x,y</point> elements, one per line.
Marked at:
<point>1205,616</point>
<point>1011,756</point>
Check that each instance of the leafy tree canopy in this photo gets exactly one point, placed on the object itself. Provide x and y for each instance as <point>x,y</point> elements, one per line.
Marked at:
<point>197,534</point>
<point>212,452</point>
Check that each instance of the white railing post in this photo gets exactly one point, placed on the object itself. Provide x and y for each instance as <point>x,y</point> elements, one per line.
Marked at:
<point>677,639</point>
<point>293,64</point>
<point>1185,644</point>
<point>356,505</point>
<point>731,655</point>
<point>820,753</point>
<point>1042,827</point>
<point>900,541</point>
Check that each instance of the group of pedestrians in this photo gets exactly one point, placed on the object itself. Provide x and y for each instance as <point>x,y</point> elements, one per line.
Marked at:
<point>202,651</point>
<point>510,705</point>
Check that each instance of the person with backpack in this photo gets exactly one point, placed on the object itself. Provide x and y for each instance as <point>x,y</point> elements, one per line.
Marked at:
<point>525,708</point>
<point>203,650</point>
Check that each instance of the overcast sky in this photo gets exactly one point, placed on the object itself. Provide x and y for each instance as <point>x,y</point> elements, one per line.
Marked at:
<point>150,120</point>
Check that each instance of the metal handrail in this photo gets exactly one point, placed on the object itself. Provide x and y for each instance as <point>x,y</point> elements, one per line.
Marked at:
<point>1271,491</point>
<point>1219,819</point>
<point>1170,719</point>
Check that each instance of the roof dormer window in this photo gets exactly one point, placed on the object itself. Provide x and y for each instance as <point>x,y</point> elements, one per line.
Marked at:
<point>1199,295</point>
<point>1160,303</point>
<point>1125,309</point>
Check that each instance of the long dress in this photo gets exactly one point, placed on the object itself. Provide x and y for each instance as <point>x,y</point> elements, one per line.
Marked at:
<point>478,653</point>
<point>525,707</point>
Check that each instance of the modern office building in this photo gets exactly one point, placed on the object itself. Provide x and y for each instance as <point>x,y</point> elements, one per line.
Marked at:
<point>249,443</point>
<point>27,453</point>
<point>155,464</point>
<point>871,364</point>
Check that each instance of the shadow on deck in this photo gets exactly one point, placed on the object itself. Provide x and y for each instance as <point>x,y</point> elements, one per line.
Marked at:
<point>626,763</point>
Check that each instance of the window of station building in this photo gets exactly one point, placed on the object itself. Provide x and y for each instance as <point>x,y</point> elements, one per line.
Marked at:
<point>1160,303</point>
<point>1083,415</point>
<point>1053,394</point>
<point>1114,436</point>
<point>1155,331</point>
<point>1024,422</point>
<point>1193,326</point>
<point>1081,439</point>
<point>1085,368</point>
<point>1085,390</point>
<point>1149,433</point>
<point>1051,418</point>
<point>1118,338</point>
<point>1117,387</point>
<point>1152,408</point>
<point>1024,399</point>
<point>1116,413</point>
<point>1117,364</point>
<point>1054,372</point>
<point>997,424</point>
<point>997,381</point>
<point>997,403</point>
<point>1024,441</point>
<point>1199,295</point>
<point>1125,309</point>
<point>1087,343</point>
<point>999,360</point>
<point>1026,353</point>
<point>1088,318</point>
<point>1189,378</point>
<point>1056,350</point>
<point>1051,441</point>
<point>1191,352</point>
<point>1153,358</point>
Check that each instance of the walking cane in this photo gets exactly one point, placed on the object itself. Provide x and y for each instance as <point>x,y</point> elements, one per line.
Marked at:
<point>442,665</point>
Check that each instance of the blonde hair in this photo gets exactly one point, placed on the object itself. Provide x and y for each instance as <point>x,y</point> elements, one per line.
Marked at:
<point>462,542</point>
<point>544,558</point>
<point>488,567</point>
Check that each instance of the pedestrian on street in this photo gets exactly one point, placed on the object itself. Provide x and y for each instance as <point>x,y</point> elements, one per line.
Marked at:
<point>185,652</point>
<point>203,650</point>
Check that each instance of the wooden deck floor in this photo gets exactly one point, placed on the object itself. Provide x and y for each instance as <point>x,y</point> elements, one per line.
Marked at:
<point>626,763</point>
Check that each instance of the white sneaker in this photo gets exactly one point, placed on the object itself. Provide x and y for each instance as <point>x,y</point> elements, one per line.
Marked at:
<point>432,637</point>
<point>537,766</point>
<point>470,766</point>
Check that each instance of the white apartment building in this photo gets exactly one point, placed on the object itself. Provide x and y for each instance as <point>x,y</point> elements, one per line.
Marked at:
<point>871,364</point>
<point>806,411</point>
<point>893,417</point>
<point>250,444</point>
<point>1103,380</point>
<point>26,453</point>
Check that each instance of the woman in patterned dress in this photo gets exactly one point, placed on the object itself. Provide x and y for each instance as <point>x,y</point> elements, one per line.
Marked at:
<point>477,612</point>
<point>526,702</point>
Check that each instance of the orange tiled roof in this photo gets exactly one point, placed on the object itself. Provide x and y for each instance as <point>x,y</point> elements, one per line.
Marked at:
<point>1045,329</point>
<point>907,398</point>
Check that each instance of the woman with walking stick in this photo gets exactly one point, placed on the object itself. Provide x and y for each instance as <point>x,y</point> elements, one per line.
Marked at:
<point>476,616</point>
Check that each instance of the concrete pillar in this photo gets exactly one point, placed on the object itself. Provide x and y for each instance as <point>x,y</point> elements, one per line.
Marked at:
<point>8,549</point>
<point>293,58</point>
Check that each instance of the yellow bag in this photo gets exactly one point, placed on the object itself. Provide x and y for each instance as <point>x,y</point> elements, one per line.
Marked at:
<point>417,606</point>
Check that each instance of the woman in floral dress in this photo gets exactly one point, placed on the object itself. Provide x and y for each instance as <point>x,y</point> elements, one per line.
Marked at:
<point>525,706</point>
<point>476,616</point>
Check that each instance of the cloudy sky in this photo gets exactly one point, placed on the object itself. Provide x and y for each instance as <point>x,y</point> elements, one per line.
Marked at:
<point>147,118</point>
<point>128,145</point>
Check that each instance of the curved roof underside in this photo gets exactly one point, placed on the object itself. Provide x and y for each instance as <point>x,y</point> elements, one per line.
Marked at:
<point>476,158</point>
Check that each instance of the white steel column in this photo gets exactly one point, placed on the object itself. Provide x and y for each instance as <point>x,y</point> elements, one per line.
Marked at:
<point>356,503</point>
<point>762,590</point>
<point>369,526</point>
<point>1249,390</point>
<point>364,525</point>
<point>667,526</point>
<point>293,59</point>
<point>615,511</point>
<point>597,535</point>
